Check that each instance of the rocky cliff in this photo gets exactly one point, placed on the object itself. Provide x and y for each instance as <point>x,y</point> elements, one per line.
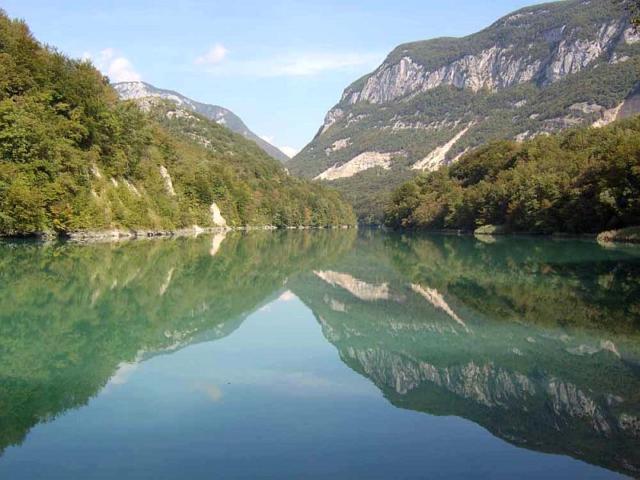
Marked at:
<point>538,70</point>
<point>221,115</point>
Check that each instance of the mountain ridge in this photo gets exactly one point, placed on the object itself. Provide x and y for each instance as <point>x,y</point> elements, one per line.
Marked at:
<point>138,89</point>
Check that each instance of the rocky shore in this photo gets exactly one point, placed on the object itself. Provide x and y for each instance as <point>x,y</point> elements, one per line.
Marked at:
<point>117,235</point>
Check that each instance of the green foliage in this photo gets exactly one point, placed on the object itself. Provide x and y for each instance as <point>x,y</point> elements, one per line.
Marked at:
<point>582,181</point>
<point>74,157</point>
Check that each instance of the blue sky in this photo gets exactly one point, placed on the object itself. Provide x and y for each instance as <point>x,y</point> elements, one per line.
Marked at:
<point>278,64</point>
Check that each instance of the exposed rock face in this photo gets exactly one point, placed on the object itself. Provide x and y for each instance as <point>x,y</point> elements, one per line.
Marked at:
<point>168,183</point>
<point>359,289</point>
<point>490,386</point>
<point>569,400</point>
<point>332,117</point>
<point>362,162</point>
<point>141,91</point>
<point>338,145</point>
<point>132,188</point>
<point>486,385</point>
<point>493,68</point>
<point>435,159</point>
<point>631,36</point>
<point>216,243</point>
<point>608,116</point>
<point>216,217</point>
<point>436,299</point>
<point>167,282</point>
<point>630,423</point>
<point>572,56</point>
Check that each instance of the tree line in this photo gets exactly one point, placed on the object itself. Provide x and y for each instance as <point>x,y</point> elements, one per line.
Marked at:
<point>583,180</point>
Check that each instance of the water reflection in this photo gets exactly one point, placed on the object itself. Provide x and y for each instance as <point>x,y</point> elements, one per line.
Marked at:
<point>536,340</point>
<point>72,317</point>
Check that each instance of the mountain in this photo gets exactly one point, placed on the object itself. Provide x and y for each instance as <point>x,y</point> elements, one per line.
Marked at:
<point>538,70</point>
<point>74,157</point>
<point>221,115</point>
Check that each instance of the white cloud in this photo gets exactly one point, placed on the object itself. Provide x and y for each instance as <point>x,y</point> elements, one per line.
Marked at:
<point>289,151</point>
<point>296,65</point>
<point>214,55</point>
<point>117,67</point>
<point>267,138</point>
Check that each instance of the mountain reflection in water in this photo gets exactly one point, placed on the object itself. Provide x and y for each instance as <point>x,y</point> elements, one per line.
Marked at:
<point>536,340</point>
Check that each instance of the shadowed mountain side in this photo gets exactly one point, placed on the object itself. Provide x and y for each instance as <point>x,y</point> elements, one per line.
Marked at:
<point>541,358</point>
<point>71,316</point>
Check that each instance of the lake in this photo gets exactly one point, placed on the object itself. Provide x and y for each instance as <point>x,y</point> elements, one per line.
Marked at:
<point>320,354</point>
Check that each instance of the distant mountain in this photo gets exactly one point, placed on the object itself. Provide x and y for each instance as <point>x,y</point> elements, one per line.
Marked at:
<point>538,70</point>
<point>223,116</point>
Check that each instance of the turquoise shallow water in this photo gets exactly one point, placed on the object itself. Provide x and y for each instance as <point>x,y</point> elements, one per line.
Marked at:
<point>319,355</point>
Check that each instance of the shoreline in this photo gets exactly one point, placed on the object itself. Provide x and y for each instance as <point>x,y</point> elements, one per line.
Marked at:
<point>118,235</point>
<point>614,237</point>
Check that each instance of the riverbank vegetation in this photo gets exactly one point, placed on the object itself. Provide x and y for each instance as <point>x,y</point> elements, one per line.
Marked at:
<point>584,180</point>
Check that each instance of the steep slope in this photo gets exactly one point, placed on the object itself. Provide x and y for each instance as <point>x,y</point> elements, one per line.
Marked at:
<point>221,115</point>
<point>73,157</point>
<point>538,70</point>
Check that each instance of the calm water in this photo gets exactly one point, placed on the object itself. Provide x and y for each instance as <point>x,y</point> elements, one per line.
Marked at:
<point>319,355</point>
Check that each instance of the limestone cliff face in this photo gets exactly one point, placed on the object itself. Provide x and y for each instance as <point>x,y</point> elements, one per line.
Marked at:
<point>492,68</point>
<point>571,56</point>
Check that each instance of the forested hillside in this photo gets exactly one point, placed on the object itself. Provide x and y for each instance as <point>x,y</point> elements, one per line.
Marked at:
<point>74,157</point>
<point>582,181</point>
